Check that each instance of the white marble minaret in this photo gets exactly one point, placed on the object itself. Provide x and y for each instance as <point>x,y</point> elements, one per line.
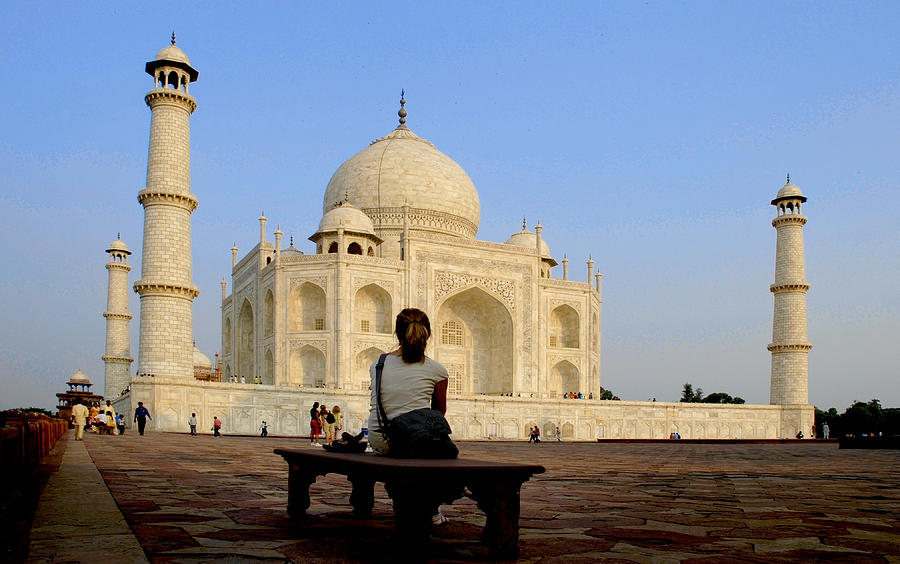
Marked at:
<point>118,338</point>
<point>789,347</point>
<point>165,287</point>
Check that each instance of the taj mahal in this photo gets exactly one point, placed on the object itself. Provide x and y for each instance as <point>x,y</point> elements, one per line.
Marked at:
<point>398,229</point>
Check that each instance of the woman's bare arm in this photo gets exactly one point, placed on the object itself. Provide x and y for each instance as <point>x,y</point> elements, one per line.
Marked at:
<point>439,397</point>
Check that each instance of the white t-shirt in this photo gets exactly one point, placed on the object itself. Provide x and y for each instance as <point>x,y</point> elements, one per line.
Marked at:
<point>404,387</point>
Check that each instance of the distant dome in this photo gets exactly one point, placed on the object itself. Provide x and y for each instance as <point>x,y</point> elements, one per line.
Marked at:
<point>172,53</point>
<point>118,245</point>
<point>80,378</point>
<point>789,191</point>
<point>349,217</point>
<point>201,360</point>
<point>402,168</point>
<point>526,238</point>
<point>291,251</point>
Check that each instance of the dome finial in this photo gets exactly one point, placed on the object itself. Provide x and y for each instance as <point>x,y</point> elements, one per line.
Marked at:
<point>118,235</point>
<point>173,37</point>
<point>524,225</point>
<point>292,240</point>
<point>347,195</point>
<point>402,112</point>
<point>789,178</point>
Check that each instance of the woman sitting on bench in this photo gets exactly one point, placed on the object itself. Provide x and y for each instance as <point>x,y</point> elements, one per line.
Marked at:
<point>409,380</point>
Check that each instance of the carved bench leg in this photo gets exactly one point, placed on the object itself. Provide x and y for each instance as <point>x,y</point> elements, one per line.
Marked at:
<point>414,506</point>
<point>299,480</point>
<point>362,497</point>
<point>500,503</point>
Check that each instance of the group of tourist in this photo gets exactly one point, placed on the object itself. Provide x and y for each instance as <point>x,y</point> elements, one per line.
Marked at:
<point>235,379</point>
<point>579,395</point>
<point>324,422</point>
<point>102,420</point>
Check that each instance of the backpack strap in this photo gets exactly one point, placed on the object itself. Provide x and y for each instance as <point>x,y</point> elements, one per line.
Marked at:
<point>382,416</point>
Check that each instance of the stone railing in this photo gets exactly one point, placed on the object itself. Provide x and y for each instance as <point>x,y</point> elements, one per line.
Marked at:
<point>25,439</point>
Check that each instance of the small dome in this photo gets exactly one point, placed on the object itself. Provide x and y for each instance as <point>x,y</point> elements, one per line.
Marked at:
<point>349,217</point>
<point>291,252</point>
<point>118,245</point>
<point>201,360</point>
<point>172,53</point>
<point>526,238</point>
<point>789,191</point>
<point>79,378</point>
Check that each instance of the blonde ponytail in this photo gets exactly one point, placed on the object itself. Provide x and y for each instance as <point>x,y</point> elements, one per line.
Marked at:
<point>413,330</point>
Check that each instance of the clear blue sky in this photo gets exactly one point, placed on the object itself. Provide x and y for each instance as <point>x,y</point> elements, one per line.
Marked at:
<point>650,135</point>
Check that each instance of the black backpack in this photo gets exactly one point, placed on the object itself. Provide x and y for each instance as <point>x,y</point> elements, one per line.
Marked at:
<point>329,418</point>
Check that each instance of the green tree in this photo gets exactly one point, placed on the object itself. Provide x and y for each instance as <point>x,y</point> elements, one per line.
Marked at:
<point>607,394</point>
<point>863,418</point>
<point>688,395</point>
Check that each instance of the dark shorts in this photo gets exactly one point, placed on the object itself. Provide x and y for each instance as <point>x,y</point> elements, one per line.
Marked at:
<point>315,427</point>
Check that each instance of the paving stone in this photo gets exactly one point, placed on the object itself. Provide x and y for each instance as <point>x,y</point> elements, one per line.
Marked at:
<point>200,500</point>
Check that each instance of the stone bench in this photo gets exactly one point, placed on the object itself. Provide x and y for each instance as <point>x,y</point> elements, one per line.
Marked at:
<point>416,487</point>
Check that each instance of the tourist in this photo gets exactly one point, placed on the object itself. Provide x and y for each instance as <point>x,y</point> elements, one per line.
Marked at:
<point>328,420</point>
<point>409,381</point>
<point>109,408</point>
<point>100,422</point>
<point>141,415</point>
<point>315,426</point>
<point>825,430</point>
<point>192,423</point>
<point>79,418</point>
<point>558,435</point>
<point>94,412</point>
<point>110,423</point>
<point>217,426</point>
<point>120,423</point>
<point>537,434</point>
<point>264,430</point>
<point>338,419</point>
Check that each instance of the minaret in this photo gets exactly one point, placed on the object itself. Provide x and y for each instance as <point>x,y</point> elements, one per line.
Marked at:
<point>789,347</point>
<point>118,339</point>
<point>165,287</point>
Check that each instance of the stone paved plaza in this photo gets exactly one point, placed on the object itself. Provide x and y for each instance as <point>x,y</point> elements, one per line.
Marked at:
<point>200,499</point>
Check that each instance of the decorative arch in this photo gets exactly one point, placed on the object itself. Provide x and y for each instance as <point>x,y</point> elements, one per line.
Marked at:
<point>371,252</point>
<point>564,325</point>
<point>246,341</point>
<point>333,248</point>
<point>485,364</point>
<point>372,310</point>
<point>354,249</point>
<point>269,315</point>
<point>595,330</point>
<point>307,308</point>
<point>307,367</point>
<point>568,431</point>
<point>226,337</point>
<point>563,379</point>
<point>364,360</point>
<point>268,375</point>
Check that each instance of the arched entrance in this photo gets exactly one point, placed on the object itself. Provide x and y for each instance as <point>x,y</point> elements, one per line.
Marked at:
<point>246,342</point>
<point>563,379</point>
<point>474,336</point>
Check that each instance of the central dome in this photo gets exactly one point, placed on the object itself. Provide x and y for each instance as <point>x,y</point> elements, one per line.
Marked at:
<point>399,169</point>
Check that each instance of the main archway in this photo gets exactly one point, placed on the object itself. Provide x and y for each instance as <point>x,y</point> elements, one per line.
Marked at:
<point>474,340</point>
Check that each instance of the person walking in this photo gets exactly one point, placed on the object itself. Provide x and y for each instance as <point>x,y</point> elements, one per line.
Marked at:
<point>329,420</point>
<point>192,423</point>
<point>264,430</point>
<point>558,435</point>
<point>825,431</point>
<point>141,415</point>
<point>217,426</point>
<point>79,418</point>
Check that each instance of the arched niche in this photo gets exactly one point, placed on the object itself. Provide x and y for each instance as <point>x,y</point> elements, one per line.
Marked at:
<point>307,308</point>
<point>269,315</point>
<point>485,361</point>
<point>246,342</point>
<point>268,375</point>
<point>364,360</point>
<point>354,249</point>
<point>372,310</point>
<point>564,327</point>
<point>563,379</point>
<point>226,337</point>
<point>307,367</point>
<point>595,330</point>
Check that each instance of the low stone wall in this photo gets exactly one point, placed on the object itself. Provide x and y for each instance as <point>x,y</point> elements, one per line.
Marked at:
<point>243,407</point>
<point>24,441</point>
